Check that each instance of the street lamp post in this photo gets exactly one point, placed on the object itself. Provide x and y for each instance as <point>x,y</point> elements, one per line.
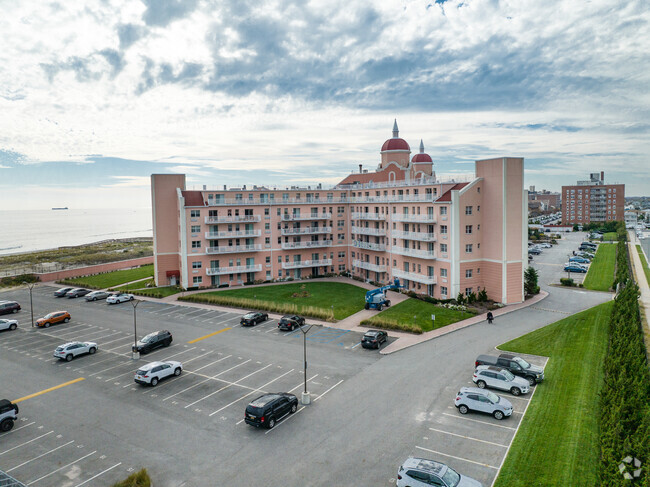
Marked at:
<point>136,354</point>
<point>306,399</point>
<point>31,285</point>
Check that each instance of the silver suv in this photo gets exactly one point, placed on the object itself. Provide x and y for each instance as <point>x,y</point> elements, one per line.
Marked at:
<point>498,378</point>
<point>475,399</point>
<point>419,472</point>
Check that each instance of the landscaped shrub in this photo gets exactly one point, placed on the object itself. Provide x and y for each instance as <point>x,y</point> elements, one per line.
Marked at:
<point>11,281</point>
<point>137,479</point>
<point>380,322</point>
<point>567,281</point>
<point>530,281</point>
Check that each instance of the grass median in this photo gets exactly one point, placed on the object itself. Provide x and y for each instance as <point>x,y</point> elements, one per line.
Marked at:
<point>644,262</point>
<point>558,440</point>
<point>111,279</point>
<point>601,271</point>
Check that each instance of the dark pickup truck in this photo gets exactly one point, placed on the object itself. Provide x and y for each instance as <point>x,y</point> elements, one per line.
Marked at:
<point>516,365</point>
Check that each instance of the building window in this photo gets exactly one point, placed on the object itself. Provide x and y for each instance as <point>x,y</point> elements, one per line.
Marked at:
<point>340,223</point>
<point>266,211</point>
<point>196,265</point>
<point>443,210</point>
<point>468,273</point>
<point>268,259</point>
<point>279,259</point>
<point>468,291</point>
<point>268,275</point>
<point>443,290</point>
<point>468,210</point>
<point>196,280</point>
<point>468,248</point>
<point>196,244</point>
<point>195,213</point>
<point>267,226</point>
<point>468,228</point>
<point>196,228</point>
<point>443,272</point>
<point>443,248</point>
<point>443,229</point>
<point>267,240</point>
<point>341,267</point>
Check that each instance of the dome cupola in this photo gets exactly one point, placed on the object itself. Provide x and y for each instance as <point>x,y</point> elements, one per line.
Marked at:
<point>422,157</point>
<point>396,143</point>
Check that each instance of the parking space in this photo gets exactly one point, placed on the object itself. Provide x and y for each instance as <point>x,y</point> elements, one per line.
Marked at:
<point>550,263</point>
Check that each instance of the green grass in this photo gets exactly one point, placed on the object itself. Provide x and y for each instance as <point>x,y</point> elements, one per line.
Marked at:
<point>601,271</point>
<point>646,270</point>
<point>136,479</point>
<point>558,441</point>
<point>610,237</point>
<point>400,317</point>
<point>111,279</point>
<point>131,286</point>
<point>156,292</point>
<point>346,299</point>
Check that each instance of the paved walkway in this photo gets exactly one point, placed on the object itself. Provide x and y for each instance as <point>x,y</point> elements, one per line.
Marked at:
<point>644,299</point>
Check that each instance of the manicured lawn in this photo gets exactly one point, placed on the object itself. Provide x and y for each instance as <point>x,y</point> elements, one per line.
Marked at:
<point>156,292</point>
<point>601,271</point>
<point>609,236</point>
<point>558,441</point>
<point>346,299</point>
<point>415,315</point>
<point>110,279</point>
<point>141,284</point>
<point>646,270</point>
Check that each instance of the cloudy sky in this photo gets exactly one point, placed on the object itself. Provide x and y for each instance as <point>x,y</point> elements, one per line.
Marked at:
<point>96,96</point>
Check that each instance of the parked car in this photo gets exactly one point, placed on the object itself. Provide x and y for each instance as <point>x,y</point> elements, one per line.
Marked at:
<point>119,298</point>
<point>517,365</point>
<point>574,267</point>
<point>7,307</point>
<point>150,342</point>
<point>53,319</point>
<point>498,378</point>
<point>70,350</point>
<point>8,324</point>
<point>253,318</point>
<point>545,245</point>
<point>77,292</point>
<point>374,339</point>
<point>475,399</point>
<point>8,414</point>
<point>154,372</point>
<point>290,322</point>
<point>62,292</point>
<point>589,244</point>
<point>95,295</point>
<point>587,248</point>
<point>267,410</point>
<point>579,260</point>
<point>420,472</point>
<point>534,251</point>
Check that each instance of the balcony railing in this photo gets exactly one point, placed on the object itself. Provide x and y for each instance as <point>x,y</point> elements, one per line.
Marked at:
<point>367,265</point>
<point>368,216</point>
<point>368,245</point>
<point>233,219</point>
<point>233,234</point>
<point>217,271</point>
<point>290,217</point>
<point>425,237</point>
<point>306,263</point>
<point>231,249</point>
<point>420,254</point>
<point>406,198</point>
<point>412,276</point>
<point>306,245</point>
<point>399,217</point>
<point>274,201</point>
<point>379,232</point>
<point>306,230</point>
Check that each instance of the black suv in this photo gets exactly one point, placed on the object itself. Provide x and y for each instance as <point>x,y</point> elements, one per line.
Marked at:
<point>7,307</point>
<point>152,341</point>
<point>374,339</point>
<point>290,322</point>
<point>266,410</point>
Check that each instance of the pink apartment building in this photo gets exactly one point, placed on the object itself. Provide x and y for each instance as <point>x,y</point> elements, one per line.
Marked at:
<point>439,238</point>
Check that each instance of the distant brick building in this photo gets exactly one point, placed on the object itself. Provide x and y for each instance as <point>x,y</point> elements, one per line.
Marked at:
<point>593,201</point>
<point>548,199</point>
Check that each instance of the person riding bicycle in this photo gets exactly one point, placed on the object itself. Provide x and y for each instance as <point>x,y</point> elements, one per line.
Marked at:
<point>490,317</point>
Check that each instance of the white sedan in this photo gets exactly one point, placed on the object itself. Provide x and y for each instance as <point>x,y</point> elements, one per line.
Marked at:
<point>70,350</point>
<point>119,298</point>
<point>8,324</point>
<point>153,372</point>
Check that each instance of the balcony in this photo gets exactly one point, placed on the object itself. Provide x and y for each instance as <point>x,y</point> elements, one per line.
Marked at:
<point>412,276</point>
<point>233,219</point>
<point>314,216</point>
<point>217,271</point>
<point>367,265</point>
<point>422,236</point>
<point>310,244</point>
<point>233,234</point>
<point>368,216</point>
<point>369,246</point>
<point>377,232</point>
<point>306,230</point>
<point>274,201</point>
<point>306,263</point>
<point>233,249</point>
<point>416,253</point>
<point>399,198</point>
<point>399,217</point>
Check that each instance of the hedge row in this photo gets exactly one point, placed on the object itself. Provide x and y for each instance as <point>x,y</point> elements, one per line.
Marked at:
<point>388,324</point>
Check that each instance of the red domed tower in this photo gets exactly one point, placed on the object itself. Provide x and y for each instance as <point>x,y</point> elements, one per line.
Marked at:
<point>422,164</point>
<point>395,150</point>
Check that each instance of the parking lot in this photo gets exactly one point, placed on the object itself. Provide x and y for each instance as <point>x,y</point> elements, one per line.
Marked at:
<point>550,263</point>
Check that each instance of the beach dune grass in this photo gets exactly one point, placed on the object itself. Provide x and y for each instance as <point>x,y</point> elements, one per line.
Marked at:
<point>111,279</point>
<point>601,271</point>
<point>324,300</point>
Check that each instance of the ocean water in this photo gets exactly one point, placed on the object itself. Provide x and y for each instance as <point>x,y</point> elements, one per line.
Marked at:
<point>29,230</point>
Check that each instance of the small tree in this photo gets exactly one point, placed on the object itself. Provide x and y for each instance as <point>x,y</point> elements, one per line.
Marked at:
<point>530,281</point>
<point>482,296</point>
<point>460,299</point>
<point>471,298</point>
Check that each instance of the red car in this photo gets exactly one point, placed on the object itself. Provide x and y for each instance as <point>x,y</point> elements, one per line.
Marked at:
<point>53,319</point>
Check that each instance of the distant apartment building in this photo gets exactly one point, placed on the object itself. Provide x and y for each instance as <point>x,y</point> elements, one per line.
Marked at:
<point>546,200</point>
<point>400,221</point>
<point>593,201</point>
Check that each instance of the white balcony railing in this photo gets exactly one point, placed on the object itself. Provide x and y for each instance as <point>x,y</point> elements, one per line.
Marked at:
<point>231,249</point>
<point>378,232</point>
<point>290,217</point>
<point>274,201</point>
<point>420,254</point>
<point>425,237</point>
<point>306,230</point>
<point>233,234</point>
<point>367,265</point>
<point>233,219</point>
<point>368,216</point>
<point>405,198</point>
<point>413,276</point>
<point>306,245</point>
<point>306,263</point>
<point>399,217</point>
<point>368,245</point>
<point>217,271</point>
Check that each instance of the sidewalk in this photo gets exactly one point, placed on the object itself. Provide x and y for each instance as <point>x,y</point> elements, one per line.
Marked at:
<point>644,288</point>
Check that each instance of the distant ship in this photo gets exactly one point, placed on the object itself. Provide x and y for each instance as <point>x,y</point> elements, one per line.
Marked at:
<point>60,208</point>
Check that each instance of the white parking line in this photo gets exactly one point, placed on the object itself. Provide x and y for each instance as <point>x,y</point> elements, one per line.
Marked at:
<point>209,378</point>
<point>174,355</point>
<point>100,473</point>
<point>199,310</point>
<point>19,428</point>
<point>302,383</point>
<point>41,455</point>
<point>109,368</point>
<point>211,363</point>
<point>23,444</point>
<point>456,458</point>
<point>469,438</point>
<point>356,346</point>
<point>166,308</point>
<point>165,311</point>
<point>117,340</point>
<point>61,468</point>
<point>478,421</point>
<point>328,390</point>
<point>104,336</point>
<point>202,355</point>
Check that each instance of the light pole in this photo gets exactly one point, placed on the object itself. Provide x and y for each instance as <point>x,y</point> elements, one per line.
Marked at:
<point>136,354</point>
<point>305,395</point>
<point>31,285</point>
